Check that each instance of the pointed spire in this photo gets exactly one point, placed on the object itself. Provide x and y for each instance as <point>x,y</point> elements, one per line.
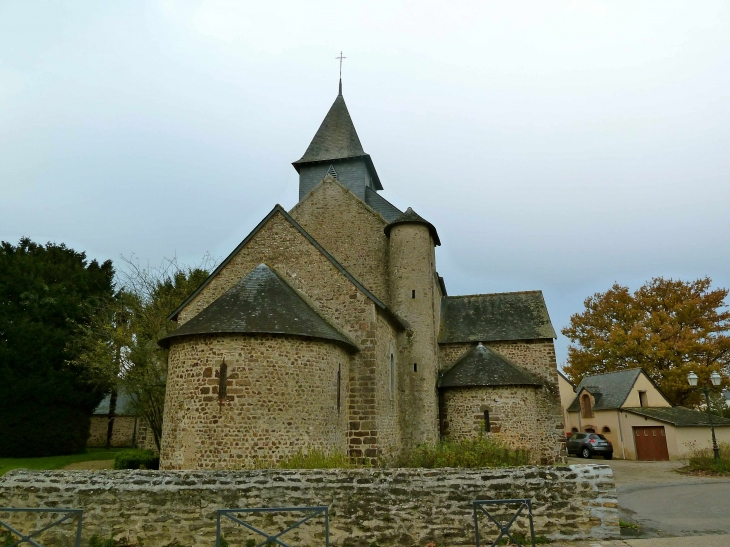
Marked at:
<point>340,95</point>
<point>336,138</point>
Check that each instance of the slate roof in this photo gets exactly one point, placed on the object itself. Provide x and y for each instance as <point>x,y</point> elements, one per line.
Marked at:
<point>337,139</point>
<point>381,205</point>
<point>678,416</point>
<point>493,317</point>
<point>261,302</point>
<point>482,366</point>
<point>279,209</point>
<point>610,390</point>
<point>411,217</point>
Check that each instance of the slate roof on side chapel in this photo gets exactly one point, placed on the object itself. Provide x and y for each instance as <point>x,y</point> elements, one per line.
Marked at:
<point>261,302</point>
<point>482,366</point>
<point>609,390</point>
<point>495,317</point>
<point>381,205</point>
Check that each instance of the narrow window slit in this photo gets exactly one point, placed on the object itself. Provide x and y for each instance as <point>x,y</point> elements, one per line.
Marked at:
<point>415,367</point>
<point>339,386</point>
<point>413,293</point>
<point>487,426</point>
<point>222,381</point>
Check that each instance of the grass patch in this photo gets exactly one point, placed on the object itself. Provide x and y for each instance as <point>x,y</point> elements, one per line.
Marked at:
<point>316,459</point>
<point>470,453</point>
<point>628,525</point>
<point>524,539</point>
<point>702,461</point>
<point>56,462</point>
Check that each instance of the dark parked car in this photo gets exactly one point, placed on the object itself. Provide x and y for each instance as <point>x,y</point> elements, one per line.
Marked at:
<point>586,445</point>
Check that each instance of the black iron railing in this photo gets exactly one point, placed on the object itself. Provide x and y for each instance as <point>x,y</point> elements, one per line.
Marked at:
<point>504,529</point>
<point>66,514</point>
<point>269,539</point>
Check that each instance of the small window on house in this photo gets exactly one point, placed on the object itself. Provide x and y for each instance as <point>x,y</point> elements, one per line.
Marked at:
<point>590,429</point>
<point>643,401</point>
<point>222,381</point>
<point>413,293</point>
<point>339,386</point>
<point>605,429</point>
<point>487,426</point>
<point>586,408</point>
<point>574,429</point>
<point>415,367</point>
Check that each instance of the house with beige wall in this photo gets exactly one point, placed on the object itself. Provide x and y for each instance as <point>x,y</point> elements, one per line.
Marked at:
<point>567,394</point>
<point>632,412</point>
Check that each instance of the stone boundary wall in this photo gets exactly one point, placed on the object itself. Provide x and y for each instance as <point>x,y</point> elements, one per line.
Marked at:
<point>386,507</point>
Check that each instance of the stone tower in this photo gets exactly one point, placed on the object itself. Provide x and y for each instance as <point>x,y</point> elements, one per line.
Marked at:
<point>336,150</point>
<point>415,297</point>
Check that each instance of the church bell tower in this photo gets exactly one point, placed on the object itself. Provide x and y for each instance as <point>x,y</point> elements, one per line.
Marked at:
<point>335,150</point>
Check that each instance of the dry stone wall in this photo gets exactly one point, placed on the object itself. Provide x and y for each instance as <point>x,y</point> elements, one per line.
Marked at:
<point>388,507</point>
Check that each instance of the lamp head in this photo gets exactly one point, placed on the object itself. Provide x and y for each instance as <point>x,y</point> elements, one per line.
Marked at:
<point>715,378</point>
<point>692,378</point>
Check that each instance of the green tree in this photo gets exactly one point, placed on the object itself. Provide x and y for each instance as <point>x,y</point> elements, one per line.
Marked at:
<point>667,327</point>
<point>45,296</point>
<point>119,346</point>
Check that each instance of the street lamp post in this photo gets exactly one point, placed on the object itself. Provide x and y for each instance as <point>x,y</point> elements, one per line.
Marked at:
<point>716,379</point>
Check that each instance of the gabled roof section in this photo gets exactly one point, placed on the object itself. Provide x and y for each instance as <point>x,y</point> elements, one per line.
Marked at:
<point>678,416</point>
<point>564,377</point>
<point>261,302</point>
<point>610,390</point>
<point>495,317</point>
<point>381,205</point>
<point>280,210</point>
<point>411,217</point>
<point>336,139</point>
<point>482,366</point>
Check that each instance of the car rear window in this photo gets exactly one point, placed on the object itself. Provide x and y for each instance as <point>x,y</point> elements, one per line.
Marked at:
<point>597,436</point>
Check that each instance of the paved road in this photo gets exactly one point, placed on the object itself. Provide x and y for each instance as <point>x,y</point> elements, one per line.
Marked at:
<point>664,503</point>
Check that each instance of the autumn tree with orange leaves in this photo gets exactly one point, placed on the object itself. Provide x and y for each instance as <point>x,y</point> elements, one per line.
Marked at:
<point>666,327</point>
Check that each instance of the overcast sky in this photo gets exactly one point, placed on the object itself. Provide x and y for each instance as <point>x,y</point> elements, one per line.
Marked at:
<point>561,146</point>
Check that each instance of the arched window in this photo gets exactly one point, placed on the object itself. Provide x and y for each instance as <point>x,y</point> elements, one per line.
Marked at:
<point>586,408</point>
<point>574,430</point>
<point>606,429</point>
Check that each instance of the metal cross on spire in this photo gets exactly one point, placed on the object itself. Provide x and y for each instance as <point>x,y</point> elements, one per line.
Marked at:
<point>340,58</point>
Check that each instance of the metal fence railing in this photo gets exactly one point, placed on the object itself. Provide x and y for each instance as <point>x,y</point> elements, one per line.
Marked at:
<point>66,514</point>
<point>269,539</point>
<point>504,529</point>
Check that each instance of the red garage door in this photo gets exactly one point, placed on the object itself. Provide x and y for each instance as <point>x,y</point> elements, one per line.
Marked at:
<point>651,443</point>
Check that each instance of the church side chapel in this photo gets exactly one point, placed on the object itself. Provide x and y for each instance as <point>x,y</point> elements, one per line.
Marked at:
<point>329,328</point>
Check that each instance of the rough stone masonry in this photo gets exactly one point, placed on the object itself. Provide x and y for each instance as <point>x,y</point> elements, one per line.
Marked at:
<point>383,507</point>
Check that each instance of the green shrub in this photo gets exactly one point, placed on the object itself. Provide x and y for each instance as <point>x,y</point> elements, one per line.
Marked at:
<point>470,453</point>
<point>97,541</point>
<point>702,460</point>
<point>6,538</point>
<point>136,459</point>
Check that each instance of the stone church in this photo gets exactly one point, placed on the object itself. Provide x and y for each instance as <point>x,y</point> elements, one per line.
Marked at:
<point>329,328</point>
